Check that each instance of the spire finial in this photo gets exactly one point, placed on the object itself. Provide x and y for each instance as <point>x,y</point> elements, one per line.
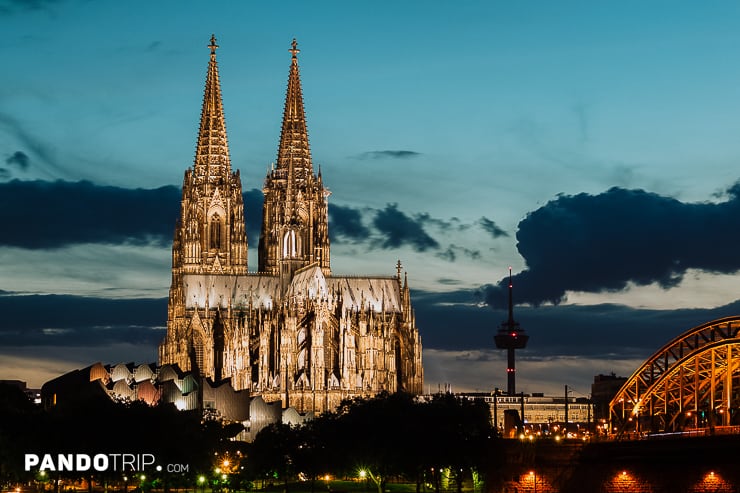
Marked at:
<point>398,269</point>
<point>213,44</point>
<point>294,50</point>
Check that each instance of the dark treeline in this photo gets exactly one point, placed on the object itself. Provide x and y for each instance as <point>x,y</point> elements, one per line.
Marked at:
<point>385,437</point>
<point>98,425</point>
<point>443,439</point>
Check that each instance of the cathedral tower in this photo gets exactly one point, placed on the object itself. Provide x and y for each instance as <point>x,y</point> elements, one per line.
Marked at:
<point>210,236</point>
<point>294,216</point>
<point>292,332</point>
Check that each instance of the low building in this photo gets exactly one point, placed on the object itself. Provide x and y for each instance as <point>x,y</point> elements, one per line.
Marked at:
<point>154,384</point>
<point>604,388</point>
<point>538,414</point>
<point>34,395</point>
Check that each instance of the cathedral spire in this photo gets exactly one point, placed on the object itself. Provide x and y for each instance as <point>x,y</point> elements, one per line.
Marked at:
<point>294,136</point>
<point>212,150</point>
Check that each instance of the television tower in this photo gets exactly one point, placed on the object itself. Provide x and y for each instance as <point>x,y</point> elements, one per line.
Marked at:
<point>511,336</point>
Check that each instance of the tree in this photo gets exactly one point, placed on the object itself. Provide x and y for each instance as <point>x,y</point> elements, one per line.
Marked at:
<point>272,454</point>
<point>462,436</point>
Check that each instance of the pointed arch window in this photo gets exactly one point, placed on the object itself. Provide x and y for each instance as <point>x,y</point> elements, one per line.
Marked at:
<point>198,356</point>
<point>290,249</point>
<point>215,232</point>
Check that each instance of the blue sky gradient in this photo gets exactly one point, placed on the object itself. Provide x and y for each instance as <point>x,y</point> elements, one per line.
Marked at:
<point>461,123</point>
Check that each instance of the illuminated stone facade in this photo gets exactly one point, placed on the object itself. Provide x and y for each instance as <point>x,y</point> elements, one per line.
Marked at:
<point>292,331</point>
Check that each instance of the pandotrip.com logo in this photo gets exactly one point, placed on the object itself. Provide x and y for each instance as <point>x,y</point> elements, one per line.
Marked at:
<point>97,462</point>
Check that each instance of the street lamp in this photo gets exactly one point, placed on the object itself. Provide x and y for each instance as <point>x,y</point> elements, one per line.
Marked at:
<point>41,479</point>
<point>534,479</point>
<point>202,483</point>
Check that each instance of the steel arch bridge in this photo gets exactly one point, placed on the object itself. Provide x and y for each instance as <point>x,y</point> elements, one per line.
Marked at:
<point>691,383</point>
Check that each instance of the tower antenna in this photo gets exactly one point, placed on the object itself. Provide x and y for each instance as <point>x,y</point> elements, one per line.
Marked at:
<point>511,336</point>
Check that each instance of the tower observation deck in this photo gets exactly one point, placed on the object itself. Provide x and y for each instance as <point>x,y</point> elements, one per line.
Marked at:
<point>511,336</point>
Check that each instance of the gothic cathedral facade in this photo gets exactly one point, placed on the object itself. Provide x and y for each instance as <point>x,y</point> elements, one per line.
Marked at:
<point>293,331</point>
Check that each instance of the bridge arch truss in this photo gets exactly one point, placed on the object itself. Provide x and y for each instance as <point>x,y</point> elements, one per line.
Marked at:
<point>691,383</point>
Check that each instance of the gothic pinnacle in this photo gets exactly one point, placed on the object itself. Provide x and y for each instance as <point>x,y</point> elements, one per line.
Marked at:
<point>212,151</point>
<point>294,135</point>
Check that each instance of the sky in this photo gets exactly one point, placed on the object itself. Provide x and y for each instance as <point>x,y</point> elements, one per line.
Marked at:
<point>591,146</point>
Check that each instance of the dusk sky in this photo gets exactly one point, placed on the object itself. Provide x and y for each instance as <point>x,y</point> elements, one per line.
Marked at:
<point>592,146</point>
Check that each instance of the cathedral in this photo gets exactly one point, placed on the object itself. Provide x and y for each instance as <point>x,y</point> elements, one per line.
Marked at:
<point>292,331</point>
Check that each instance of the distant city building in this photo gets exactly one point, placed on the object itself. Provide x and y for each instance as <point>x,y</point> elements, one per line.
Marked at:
<point>540,412</point>
<point>604,388</point>
<point>292,332</point>
<point>34,395</point>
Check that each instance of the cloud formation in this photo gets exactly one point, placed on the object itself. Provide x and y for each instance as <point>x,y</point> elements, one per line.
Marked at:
<point>18,159</point>
<point>399,229</point>
<point>66,320</point>
<point>253,200</point>
<point>392,228</point>
<point>346,222</point>
<point>397,154</point>
<point>452,251</point>
<point>601,243</point>
<point>492,228</point>
<point>41,214</point>
<point>570,330</point>
<point>60,213</point>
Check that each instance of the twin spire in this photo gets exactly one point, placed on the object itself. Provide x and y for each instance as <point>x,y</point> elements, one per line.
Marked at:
<point>294,154</point>
<point>212,151</point>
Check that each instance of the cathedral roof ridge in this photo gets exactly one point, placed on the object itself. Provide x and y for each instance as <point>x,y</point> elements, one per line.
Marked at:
<point>212,149</point>
<point>362,276</point>
<point>311,266</point>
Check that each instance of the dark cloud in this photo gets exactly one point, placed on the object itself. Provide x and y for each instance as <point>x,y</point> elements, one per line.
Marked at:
<point>62,213</point>
<point>600,243</point>
<point>448,282</point>
<point>67,320</point>
<point>18,159</point>
<point>425,218</point>
<point>575,330</point>
<point>491,228</point>
<point>399,229</point>
<point>56,214</point>
<point>452,251</point>
<point>451,321</point>
<point>346,222</point>
<point>253,200</point>
<point>388,154</point>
